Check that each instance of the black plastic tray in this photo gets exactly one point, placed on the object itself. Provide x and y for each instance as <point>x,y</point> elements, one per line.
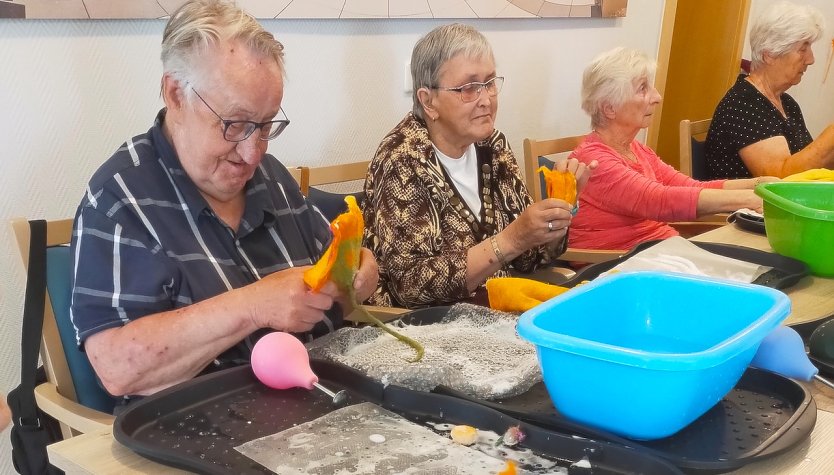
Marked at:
<point>764,415</point>
<point>748,222</point>
<point>785,271</point>
<point>196,425</point>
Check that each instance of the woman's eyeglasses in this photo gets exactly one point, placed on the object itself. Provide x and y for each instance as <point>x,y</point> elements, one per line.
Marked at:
<point>470,92</point>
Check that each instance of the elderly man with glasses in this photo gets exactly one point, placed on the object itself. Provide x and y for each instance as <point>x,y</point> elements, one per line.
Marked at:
<point>446,207</point>
<point>191,239</point>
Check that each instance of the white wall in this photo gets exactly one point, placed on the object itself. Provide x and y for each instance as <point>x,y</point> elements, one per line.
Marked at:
<point>72,91</point>
<point>815,97</point>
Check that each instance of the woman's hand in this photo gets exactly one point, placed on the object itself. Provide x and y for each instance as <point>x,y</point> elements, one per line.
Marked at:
<point>766,179</point>
<point>580,170</point>
<point>542,222</point>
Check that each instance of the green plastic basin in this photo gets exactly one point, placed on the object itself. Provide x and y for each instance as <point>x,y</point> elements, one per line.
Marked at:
<point>799,222</point>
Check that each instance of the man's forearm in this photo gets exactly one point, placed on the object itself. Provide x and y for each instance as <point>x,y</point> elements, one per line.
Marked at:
<point>163,349</point>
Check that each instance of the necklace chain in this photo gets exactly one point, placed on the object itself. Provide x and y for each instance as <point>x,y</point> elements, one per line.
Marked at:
<point>770,96</point>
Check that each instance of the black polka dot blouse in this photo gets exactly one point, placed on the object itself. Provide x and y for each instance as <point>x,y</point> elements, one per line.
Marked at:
<point>743,117</point>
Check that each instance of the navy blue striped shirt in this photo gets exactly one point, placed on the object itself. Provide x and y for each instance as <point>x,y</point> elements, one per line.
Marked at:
<point>146,241</point>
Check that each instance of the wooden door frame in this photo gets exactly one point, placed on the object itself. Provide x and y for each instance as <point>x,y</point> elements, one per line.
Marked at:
<point>664,50</point>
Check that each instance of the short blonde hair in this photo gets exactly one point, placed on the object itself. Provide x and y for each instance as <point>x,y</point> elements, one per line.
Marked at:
<point>779,28</point>
<point>438,46</point>
<point>609,79</point>
<point>200,24</point>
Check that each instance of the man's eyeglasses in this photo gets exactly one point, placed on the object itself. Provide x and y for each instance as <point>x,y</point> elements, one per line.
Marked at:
<point>240,130</point>
<point>472,91</point>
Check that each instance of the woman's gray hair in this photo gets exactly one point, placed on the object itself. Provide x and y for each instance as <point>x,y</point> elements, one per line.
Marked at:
<point>779,28</point>
<point>200,24</point>
<point>438,46</point>
<point>609,79</point>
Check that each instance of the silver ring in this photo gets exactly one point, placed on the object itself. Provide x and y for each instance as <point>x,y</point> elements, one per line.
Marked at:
<point>550,226</point>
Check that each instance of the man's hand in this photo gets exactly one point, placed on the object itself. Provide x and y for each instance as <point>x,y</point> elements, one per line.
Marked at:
<point>367,277</point>
<point>283,301</point>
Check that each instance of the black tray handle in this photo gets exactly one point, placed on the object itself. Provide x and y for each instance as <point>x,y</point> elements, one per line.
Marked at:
<point>144,412</point>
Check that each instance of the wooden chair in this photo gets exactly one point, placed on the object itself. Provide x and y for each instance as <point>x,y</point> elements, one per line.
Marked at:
<point>71,394</point>
<point>535,151</point>
<point>300,174</point>
<point>331,203</point>
<point>692,135</point>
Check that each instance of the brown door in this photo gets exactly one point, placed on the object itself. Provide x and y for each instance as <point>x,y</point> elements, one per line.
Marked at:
<point>699,59</point>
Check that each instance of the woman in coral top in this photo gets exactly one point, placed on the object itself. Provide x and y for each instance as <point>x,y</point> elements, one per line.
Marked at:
<point>633,194</point>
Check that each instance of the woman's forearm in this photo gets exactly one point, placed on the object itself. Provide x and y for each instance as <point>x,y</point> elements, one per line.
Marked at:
<point>712,201</point>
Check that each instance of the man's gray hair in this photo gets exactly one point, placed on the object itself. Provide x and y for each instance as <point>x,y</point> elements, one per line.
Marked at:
<point>438,46</point>
<point>609,79</point>
<point>201,24</point>
<point>779,28</point>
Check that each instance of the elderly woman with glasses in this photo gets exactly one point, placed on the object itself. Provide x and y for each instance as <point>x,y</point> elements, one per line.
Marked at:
<point>757,128</point>
<point>191,239</point>
<point>446,207</point>
<point>633,193</point>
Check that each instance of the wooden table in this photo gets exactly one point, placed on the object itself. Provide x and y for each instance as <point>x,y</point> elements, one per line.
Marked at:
<point>99,453</point>
<point>812,298</point>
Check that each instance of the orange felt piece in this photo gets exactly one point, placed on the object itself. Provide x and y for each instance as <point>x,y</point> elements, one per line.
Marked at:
<point>514,294</point>
<point>341,259</point>
<point>509,469</point>
<point>560,185</point>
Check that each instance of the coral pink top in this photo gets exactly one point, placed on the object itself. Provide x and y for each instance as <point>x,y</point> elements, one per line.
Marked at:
<point>626,203</point>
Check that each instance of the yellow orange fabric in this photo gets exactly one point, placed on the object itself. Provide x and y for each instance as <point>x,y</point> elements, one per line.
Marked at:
<point>560,185</point>
<point>816,174</point>
<point>342,257</point>
<point>515,294</point>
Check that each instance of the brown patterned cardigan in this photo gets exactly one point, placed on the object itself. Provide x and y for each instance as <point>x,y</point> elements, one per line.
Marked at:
<point>420,229</point>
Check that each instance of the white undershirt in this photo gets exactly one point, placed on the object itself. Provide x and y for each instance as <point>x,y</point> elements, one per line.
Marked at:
<point>464,174</point>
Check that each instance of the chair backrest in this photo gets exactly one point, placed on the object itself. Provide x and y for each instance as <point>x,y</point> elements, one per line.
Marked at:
<point>536,149</point>
<point>331,203</point>
<point>301,175</point>
<point>66,366</point>
<point>692,135</point>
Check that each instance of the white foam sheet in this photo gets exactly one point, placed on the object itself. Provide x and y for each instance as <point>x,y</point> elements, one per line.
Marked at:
<point>677,254</point>
<point>367,439</point>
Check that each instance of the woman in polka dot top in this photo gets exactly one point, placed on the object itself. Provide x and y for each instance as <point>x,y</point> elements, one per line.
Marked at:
<point>757,128</point>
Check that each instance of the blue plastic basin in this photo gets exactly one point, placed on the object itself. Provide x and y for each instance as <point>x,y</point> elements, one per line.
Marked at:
<point>643,354</point>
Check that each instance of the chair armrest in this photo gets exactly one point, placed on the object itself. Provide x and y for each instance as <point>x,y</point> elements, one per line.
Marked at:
<point>384,314</point>
<point>78,417</point>
<point>720,218</point>
<point>549,274</point>
<point>688,229</point>
<point>591,256</point>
